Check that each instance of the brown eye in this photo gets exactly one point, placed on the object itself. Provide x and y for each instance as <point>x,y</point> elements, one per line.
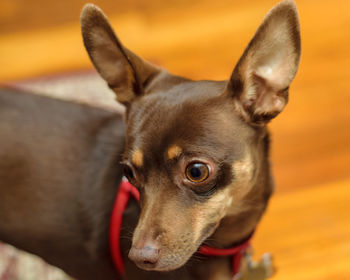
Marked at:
<point>197,172</point>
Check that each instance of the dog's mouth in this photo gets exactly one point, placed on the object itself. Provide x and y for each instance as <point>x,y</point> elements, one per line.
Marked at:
<point>158,266</point>
<point>170,257</point>
<point>165,261</point>
<point>169,250</point>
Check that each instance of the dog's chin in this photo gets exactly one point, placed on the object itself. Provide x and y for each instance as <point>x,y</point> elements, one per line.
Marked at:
<point>160,268</point>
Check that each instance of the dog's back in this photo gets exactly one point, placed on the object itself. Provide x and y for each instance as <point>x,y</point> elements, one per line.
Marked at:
<point>53,180</point>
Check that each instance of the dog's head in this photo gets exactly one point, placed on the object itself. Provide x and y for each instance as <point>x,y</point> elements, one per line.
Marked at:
<point>193,148</point>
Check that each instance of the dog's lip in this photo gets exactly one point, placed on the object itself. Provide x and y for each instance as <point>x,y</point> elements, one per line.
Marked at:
<point>159,267</point>
<point>146,266</point>
<point>162,266</point>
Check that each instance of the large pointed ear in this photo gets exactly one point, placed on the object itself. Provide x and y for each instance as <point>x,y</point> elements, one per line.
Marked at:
<point>126,73</point>
<point>260,81</point>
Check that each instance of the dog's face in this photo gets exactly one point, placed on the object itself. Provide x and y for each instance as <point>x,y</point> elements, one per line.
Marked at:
<point>192,146</point>
<point>185,170</point>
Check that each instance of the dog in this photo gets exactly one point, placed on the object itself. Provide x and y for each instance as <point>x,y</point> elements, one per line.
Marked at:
<point>197,152</point>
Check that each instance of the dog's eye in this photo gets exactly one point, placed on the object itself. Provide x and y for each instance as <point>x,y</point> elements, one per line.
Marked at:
<point>128,173</point>
<point>197,172</point>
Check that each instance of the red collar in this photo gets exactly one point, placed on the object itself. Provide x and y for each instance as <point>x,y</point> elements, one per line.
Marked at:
<point>124,192</point>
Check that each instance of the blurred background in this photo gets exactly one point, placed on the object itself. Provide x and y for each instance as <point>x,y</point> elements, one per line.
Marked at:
<point>307,225</point>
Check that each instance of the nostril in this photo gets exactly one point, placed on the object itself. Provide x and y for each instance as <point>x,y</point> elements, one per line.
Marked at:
<point>150,255</point>
<point>145,256</point>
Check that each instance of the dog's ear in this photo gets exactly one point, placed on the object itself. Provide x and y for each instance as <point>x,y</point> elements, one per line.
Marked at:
<point>125,72</point>
<point>260,81</point>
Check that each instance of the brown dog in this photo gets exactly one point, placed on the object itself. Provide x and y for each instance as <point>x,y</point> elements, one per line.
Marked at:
<point>196,150</point>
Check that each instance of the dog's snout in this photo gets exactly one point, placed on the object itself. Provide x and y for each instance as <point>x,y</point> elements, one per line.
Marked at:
<point>145,257</point>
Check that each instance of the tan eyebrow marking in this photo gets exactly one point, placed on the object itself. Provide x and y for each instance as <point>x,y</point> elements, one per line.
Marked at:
<point>174,151</point>
<point>137,158</point>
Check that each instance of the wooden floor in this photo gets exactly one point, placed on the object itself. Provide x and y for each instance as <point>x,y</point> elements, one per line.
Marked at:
<point>307,226</point>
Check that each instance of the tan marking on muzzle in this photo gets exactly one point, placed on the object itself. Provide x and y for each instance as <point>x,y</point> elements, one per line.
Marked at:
<point>137,158</point>
<point>211,212</point>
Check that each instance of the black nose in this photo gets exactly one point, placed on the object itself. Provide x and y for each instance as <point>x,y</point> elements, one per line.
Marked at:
<point>146,257</point>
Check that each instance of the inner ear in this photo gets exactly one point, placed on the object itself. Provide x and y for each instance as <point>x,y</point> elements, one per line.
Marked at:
<point>124,72</point>
<point>260,80</point>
